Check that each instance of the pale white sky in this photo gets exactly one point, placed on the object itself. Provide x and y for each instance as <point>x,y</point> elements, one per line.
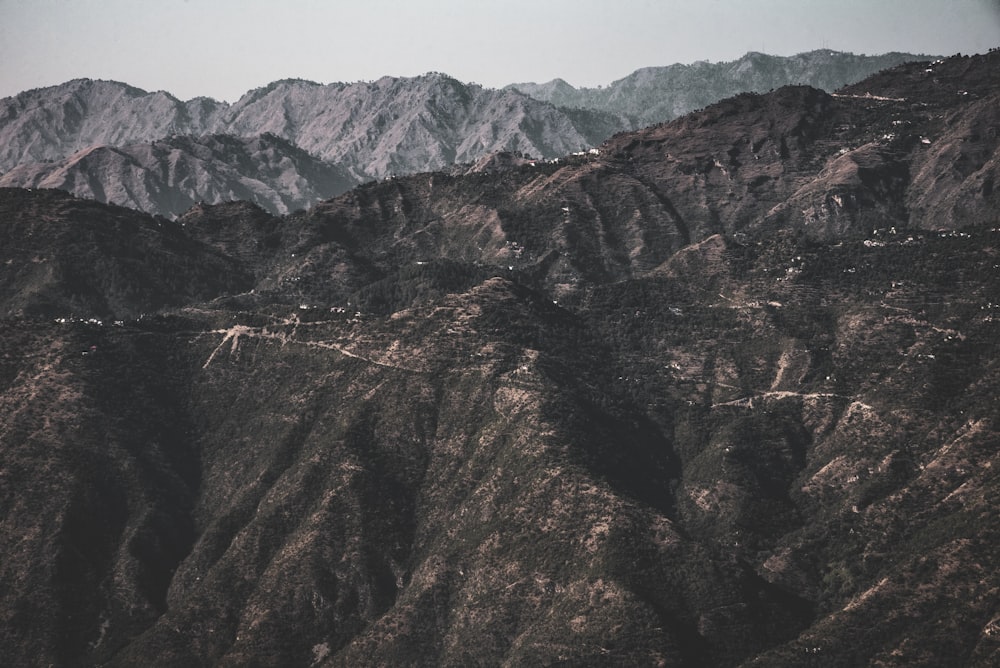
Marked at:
<point>222,48</point>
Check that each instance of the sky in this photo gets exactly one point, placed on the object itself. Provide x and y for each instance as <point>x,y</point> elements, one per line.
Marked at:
<point>223,48</point>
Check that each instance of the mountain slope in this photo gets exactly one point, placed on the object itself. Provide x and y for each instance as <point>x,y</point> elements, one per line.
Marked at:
<point>486,477</point>
<point>165,176</point>
<point>75,258</point>
<point>658,94</point>
<point>120,144</point>
<point>365,434</point>
<point>54,122</point>
<point>399,125</point>
<point>827,167</point>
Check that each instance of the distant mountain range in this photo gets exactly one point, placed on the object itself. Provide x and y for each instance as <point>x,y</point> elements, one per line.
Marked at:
<point>367,130</point>
<point>120,144</point>
<point>656,94</point>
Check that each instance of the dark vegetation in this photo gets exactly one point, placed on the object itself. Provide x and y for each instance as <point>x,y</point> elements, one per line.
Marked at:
<point>634,408</point>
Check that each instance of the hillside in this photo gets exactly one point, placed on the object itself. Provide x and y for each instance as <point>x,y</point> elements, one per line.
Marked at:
<point>722,394</point>
<point>166,175</point>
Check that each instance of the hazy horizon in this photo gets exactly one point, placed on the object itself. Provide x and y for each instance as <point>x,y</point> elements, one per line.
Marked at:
<point>223,48</point>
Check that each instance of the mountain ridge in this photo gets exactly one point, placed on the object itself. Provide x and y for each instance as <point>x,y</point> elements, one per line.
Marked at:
<point>302,112</point>
<point>165,175</point>
<point>363,130</point>
<point>657,94</point>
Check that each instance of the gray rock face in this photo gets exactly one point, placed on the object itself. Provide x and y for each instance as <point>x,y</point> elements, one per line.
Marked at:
<point>657,94</point>
<point>168,176</point>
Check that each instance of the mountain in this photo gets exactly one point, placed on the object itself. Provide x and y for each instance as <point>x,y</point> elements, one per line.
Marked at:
<point>402,126</point>
<point>165,176</point>
<point>656,94</point>
<point>798,160</point>
<point>52,123</point>
<point>722,394</point>
<point>393,125</point>
<point>151,151</point>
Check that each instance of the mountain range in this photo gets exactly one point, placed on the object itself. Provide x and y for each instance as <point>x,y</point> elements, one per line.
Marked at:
<point>361,131</point>
<point>657,94</point>
<point>155,153</point>
<point>720,393</point>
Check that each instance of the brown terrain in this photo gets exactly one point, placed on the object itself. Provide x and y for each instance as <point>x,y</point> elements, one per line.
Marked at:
<point>722,393</point>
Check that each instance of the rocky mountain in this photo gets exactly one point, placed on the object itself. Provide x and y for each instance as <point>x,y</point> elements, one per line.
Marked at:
<point>722,394</point>
<point>657,94</point>
<point>393,125</point>
<point>151,151</point>
<point>52,123</point>
<point>401,126</point>
<point>165,176</point>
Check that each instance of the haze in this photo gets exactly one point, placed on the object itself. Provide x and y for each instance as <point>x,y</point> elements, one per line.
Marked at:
<point>222,48</point>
